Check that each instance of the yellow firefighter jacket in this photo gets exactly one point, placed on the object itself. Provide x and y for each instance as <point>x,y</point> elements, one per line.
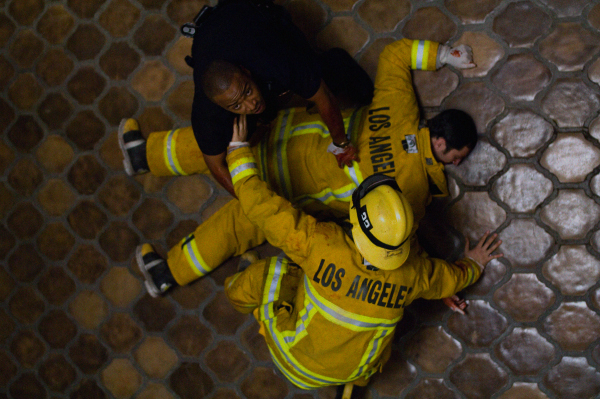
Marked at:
<point>343,315</point>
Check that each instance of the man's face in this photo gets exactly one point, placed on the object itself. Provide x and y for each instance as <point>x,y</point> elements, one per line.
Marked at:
<point>243,96</point>
<point>452,156</point>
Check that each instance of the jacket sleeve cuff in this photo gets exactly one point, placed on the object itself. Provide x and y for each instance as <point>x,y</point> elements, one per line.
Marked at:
<point>424,55</point>
<point>241,164</point>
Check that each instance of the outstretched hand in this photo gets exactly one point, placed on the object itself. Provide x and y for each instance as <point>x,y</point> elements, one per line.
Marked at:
<point>344,156</point>
<point>461,57</point>
<point>455,304</point>
<point>240,129</point>
<point>482,252</point>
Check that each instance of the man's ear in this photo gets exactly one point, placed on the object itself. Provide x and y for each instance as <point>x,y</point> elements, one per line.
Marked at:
<point>439,143</point>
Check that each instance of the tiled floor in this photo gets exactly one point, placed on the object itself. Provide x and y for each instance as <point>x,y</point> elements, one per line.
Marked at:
<point>75,320</point>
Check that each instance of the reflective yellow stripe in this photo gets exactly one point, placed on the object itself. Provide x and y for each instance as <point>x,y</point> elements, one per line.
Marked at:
<point>328,195</point>
<point>372,351</point>
<point>277,268</point>
<point>192,254</point>
<point>420,54</point>
<point>241,168</point>
<point>170,153</point>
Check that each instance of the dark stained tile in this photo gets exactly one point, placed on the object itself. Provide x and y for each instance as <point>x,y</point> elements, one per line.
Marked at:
<point>85,8</point>
<point>25,221</point>
<point>7,28</point>
<point>521,77</point>
<point>86,174</point>
<point>26,305</point>
<point>119,241</point>
<point>119,17</point>
<point>308,15</point>
<point>7,71</point>
<point>88,389</point>
<point>55,24</point>
<point>25,91</point>
<point>573,325</point>
<point>88,353</point>
<point>573,369</point>
<point>471,11</point>
<point>119,195</point>
<point>154,313</point>
<point>227,361</point>
<point>180,99</point>
<point>264,383</point>
<point>478,101</point>
<point>7,368</point>
<point>57,329</point>
<point>27,348</point>
<point>525,351</point>
<point>54,110</point>
<point>524,297</point>
<point>7,114</point>
<point>86,42</point>
<point>152,218</point>
<point>431,388</point>
<point>182,229</point>
<point>192,295</point>
<point>54,66</point>
<point>26,11</point>
<point>189,336</point>
<point>86,85</point>
<point>25,134</point>
<point>118,103</point>
<point>343,32</point>
<point>87,264</point>
<point>433,349</point>
<point>481,325</point>
<point>522,23</point>
<point>189,381</point>
<point>222,316</point>
<point>478,377</point>
<point>384,16</point>
<point>27,385</point>
<point>56,285</point>
<point>429,23</point>
<point>569,46</point>
<point>85,129</point>
<point>25,263</point>
<point>7,326</point>
<point>55,241</point>
<point>119,61</point>
<point>182,11</point>
<point>121,333</point>
<point>57,373</point>
<point>255,343</point>
<point>153,35</point>
<point>87,220</point>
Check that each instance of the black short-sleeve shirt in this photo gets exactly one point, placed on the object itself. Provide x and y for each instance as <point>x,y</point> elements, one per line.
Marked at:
<point>262,40</point>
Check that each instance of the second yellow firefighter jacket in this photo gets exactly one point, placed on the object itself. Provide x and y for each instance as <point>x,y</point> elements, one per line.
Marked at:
<point>294,160</point>
<point>338,323</point>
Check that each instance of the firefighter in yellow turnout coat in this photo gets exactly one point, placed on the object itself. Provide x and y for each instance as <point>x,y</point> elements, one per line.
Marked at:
<point>332,319</point>
<point>293,159</point>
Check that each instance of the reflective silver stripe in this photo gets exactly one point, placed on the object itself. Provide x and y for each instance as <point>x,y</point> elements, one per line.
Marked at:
<point>345,194</point>
<point>288,375</point>
<point>311,126</point>
<point>280,145</point>
<point>192,254</point>
<point>243,167</point>
<point>133,144</point>
<point>353,176</point>
<point>170,157</point>
<point>420,51</point>
<point>340,317</point>
<point>372,353</point>
<point>273,286</point>
<point>302,325</point>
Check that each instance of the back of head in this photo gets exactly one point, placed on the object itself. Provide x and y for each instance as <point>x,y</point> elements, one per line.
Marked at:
<point>217,77</point>
<point>456,127</point>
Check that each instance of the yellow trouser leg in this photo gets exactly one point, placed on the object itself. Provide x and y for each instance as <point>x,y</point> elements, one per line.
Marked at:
<point>245,289</point>
<point>227,233</point>
<point>174,152</point>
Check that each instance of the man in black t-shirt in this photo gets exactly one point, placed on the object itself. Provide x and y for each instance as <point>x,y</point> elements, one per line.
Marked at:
<point>269,56</point>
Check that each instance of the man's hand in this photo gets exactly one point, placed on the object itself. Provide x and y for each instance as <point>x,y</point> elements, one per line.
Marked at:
<point>240,129</point>
<point>344,156</point>
<point>460,57</point>
<point>482,252</point>
<point>455,304</point>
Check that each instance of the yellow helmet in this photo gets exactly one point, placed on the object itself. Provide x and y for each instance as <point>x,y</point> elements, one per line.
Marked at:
<point>382,221</point>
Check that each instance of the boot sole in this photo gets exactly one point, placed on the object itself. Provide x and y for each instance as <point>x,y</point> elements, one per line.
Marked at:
<point>126,160</point>
<point>150,287</point>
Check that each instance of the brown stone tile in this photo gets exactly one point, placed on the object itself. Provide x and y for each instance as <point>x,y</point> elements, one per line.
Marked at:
<point>308,15</point>
<point>154,119</point>
<point>182,11</point>
<point>119,241</point>
<point>523,390</point>
<point>522,132</point>
<point>7,326</point>
<point>180,99</point>
<point>521,77</point>
<point>57,329</point>
<point>483,163</point>
<point>7,114</point>
<point>471,11</point>
<point>119,17</point>
<point>119,195</point>
<point>153,80</point>
<point>229,394</point>
<point>152,4</point>
<point>85,8</point>
<point>26,305</point>
<point>480,326</point>
<point>88,309</point>
<point>7,242</point>
<point>88,389</point>
<point>522,188</point>
<point>154,313</point>
<point>572,214</point>
<point>54,66</point>
<point>595,296</point>
<point>384,16</point>
<point>27,348</point>
<point>478,101</point>
<point>370,58</point>
<point>486,53</point>
<point>595,128</point>
<point>227,361</point>
<point>475,214</point>
<point>176,56</point>
<point>27,385</point>
<point>86,174</point>
<point>87,264</point>
<point>121,378</point>
<point>524,243</point>
<point>521,23</point>
<point>121,333</point>
<point>594,16</point>
<point>86,85</point>
<point>433,349</point>
<point>57,373</point>
<point>56,285</point>
<point>183,229</point>
<point>25,220</point>
<point>494,273</point>
<point>190,336</point>
<point>343,32</point>
<point>566,8</point>
<point>155,391</point>
<point>120,287</point>
<point>54,154</point>
<point>155,357</point>
<point>86,42</point>
<point>7,71</point>
<point>215,205</point>
<point>478,377</point>
<point>524,297</point>
<point>153,218</point>
<point>573,377</point>
<point>7,156</point>
<point>569,46</point>
<point>88,353</point>
<point>26,48</point>
<point>525,351</point>
<point>570,157</point>
<point>223,317</point>
<point>25,134</point>
<point>25,263</point>
<point>25,91</point>
<point>340,5</point>
<point>433,87</point>
<point>119,61</point>
<point>189,193</point>
<point>429,23</point>
<point>7,368</point>
<point>55,24</point>
<point>54,110</point>
<point>153,35</point>
<point>431,388</point>
<point>118,103</point>
<point>7,28</point>
<point>264,383</point>
<point>570,102</point>
<point>256,344</point>
<point>110,152</point>
<point>56,197</point>
<point>573,326</point>
<point>396,376</point>
<point>55,241</point>
<point>189,381</point>
<point>192,295</point>
<point>86,129</point>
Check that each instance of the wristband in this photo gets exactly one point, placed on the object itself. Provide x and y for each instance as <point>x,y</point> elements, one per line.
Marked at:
<point>343,144</point>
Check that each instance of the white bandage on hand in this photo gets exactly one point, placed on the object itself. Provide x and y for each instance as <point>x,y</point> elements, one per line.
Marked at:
<point>460,57</point>
<point>335,150</point>
<point>234,145</point>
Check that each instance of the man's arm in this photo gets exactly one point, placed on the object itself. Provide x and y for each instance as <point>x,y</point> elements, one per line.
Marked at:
<point>330,113</point>
<point>217,164</point>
